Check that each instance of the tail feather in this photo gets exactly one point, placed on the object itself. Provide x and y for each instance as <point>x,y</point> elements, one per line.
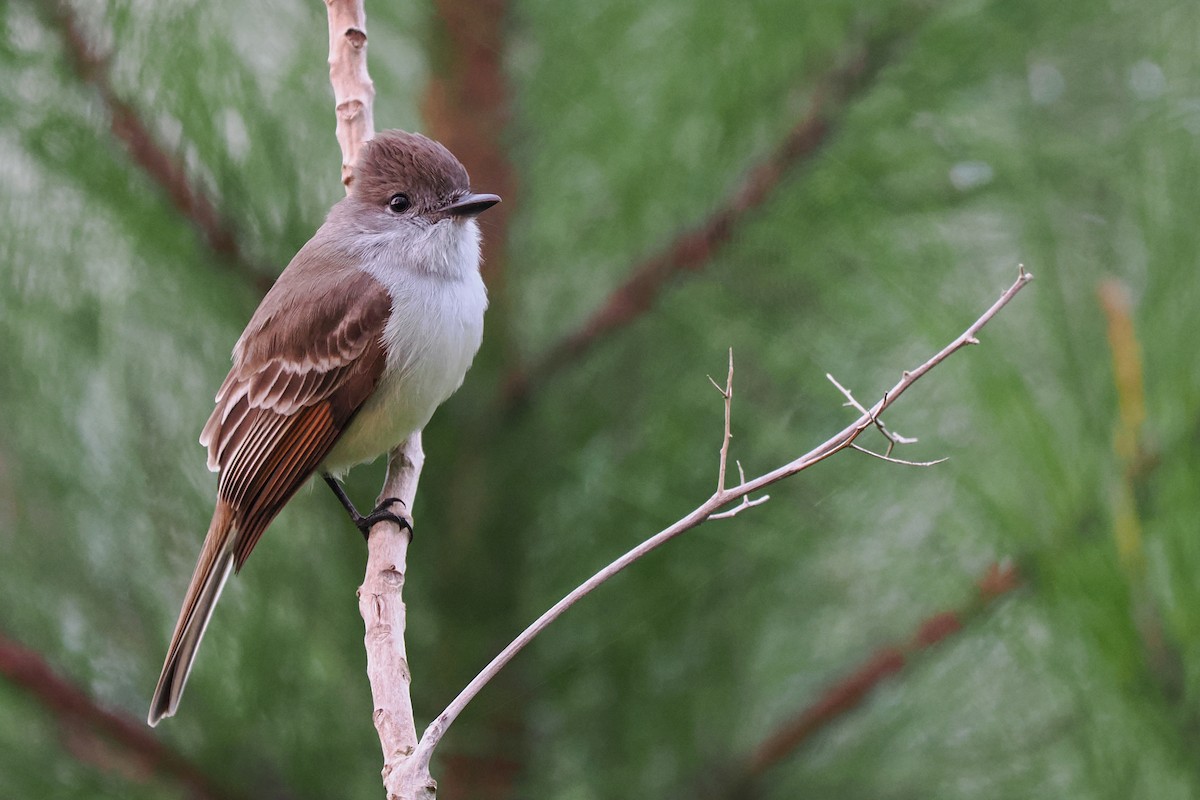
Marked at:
<point>212,570</point>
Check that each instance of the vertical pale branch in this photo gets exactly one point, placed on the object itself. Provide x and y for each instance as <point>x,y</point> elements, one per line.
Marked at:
<point>382,607</point>
<point>353,91</point>
<point>379,598</point>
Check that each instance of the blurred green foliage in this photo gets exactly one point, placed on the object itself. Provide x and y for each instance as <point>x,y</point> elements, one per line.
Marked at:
<point>1060,135</point>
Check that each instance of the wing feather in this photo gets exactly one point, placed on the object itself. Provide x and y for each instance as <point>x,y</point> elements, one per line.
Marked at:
<point>253,456</point>
<point>298,451</point>
<point>301,371</point>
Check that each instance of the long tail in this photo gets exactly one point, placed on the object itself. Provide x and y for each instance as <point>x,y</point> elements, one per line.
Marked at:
<point>212,570</point>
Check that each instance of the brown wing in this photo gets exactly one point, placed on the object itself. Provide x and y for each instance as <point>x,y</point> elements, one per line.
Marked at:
<point>310,356</point>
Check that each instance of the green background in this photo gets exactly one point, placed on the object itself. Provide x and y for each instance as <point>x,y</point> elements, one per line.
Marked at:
<point>1064,136</point>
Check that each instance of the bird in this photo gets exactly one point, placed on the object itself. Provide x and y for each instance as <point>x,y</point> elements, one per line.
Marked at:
<point>372,325</point>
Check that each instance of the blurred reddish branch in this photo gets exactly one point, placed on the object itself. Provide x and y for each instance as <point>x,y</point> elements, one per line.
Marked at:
<point>849,692</point>
<point>467,109</point>
<point>467,106</point>
<point>148,153</point>
<point>691,250</point>
<point>106,739</point>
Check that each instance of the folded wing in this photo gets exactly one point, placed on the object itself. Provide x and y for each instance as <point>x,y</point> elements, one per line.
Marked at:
<point>301,370</point>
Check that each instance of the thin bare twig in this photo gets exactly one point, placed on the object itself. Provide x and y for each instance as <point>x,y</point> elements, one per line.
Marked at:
<point>705,511</point>
<point>128,127</point>
<point>723,463</point>
<point>727,394</point>
<point>901,461</point>
<point>77,712</point>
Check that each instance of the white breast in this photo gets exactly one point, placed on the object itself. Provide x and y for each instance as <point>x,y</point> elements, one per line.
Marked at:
<point>438,301</point>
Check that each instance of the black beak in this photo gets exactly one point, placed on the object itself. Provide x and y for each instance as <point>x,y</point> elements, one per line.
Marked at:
<point>471,204</point>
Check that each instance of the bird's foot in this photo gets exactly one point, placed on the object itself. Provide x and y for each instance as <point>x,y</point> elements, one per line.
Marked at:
<point>364,521</point>
<point>381,513</point>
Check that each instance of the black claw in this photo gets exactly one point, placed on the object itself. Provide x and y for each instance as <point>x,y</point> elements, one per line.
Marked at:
<point>380,514</point>
<point>364,522</point>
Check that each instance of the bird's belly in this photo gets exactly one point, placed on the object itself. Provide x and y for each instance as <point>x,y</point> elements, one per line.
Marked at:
<point>385,420</point>
<point>430,346</point>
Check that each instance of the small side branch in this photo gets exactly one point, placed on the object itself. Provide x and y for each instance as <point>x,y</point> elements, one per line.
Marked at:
<point>746,501</point>
<point>727,394</point>
<point>705,511</point>
<point>723,464</point>
<point>900,461</point>
<point>892,437</point>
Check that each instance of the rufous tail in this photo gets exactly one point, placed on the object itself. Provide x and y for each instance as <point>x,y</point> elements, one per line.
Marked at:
<point>212,570</point>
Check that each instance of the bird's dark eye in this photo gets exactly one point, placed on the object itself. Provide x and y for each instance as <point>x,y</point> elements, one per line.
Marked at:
<point>399,203</point>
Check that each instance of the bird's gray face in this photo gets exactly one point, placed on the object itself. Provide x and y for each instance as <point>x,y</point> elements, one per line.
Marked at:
<point>410,195</point>
<point>412,179</point>
<point>419,209</point>
<point>399,223</point>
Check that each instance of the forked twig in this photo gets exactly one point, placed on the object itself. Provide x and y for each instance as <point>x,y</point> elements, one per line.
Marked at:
<point>746,501</point>
<point>727,394</point>
<point>892,437</point>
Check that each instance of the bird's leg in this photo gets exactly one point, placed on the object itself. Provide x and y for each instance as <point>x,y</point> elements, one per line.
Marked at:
<point>364,522</point>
